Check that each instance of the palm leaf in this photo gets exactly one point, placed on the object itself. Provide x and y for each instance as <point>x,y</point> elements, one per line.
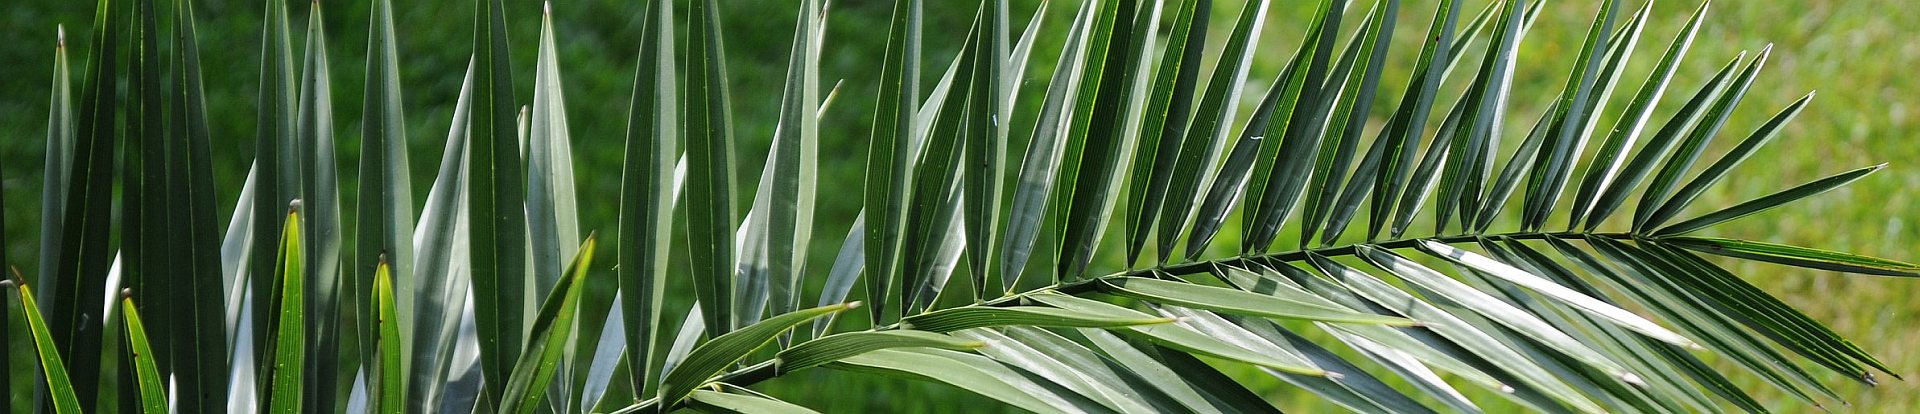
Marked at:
<point>1282,185</point>
<point>1616,192</point>
<point>977,317</point>
<point>153,398</point>
<point>716,401</point>
<point>199,335</point>
<point>1662,188</point>
<point>1770,201</point>
<point>385,215</point>
<point>285,366</point>
<point>553,223</point>
<point>1503,318</point>
<point>888,156</point>
<point>1401,137</point>
<point>495,197</point>
<point>84,255</point>
<point>648,191</point>
<point>1546,329</point>
<point>1612,153</point>
<point>1577,106</point>
<point>710,169</point>
<point>971,372</point>
<point>1186,380</point>
<point>1039,168</point>
<point>1119,104</point>
<point>1714,173</point>
<point>1166,115</point>
<point>147,238</point>
<point>319,192</point>
<point>388,387</point>
<point>551,329</point>
<point>441,274</point>
<point>54,372</point>
<point>839,346</point>
<point>1362,84</point>
<point>277,161</point>
<point>1798,256</point>
<point>1071,365</point>
<point>59,161</point>
<point>934,176</point>
<point>709,359</point>
<point>985,148</point>
<point>1210,122</point>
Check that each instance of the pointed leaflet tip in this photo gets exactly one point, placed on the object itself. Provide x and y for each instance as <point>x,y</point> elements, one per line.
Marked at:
<point>61,31</point>
<point>126,293</point>
<point>546,9</point>
<point>293,206</point>
<point>1634,380</point>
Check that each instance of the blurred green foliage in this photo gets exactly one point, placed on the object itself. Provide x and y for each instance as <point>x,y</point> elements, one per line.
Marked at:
<point>1860,55</point>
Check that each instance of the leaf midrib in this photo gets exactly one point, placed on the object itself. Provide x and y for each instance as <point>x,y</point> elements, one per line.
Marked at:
<point>765,370</point>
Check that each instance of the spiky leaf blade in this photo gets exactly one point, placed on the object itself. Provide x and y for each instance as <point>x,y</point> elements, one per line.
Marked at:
<point>527,388</point>
<point>647,190</point>
<point>495,201</point>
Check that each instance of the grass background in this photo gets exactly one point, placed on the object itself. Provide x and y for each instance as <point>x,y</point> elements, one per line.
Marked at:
<point>1859,55</point>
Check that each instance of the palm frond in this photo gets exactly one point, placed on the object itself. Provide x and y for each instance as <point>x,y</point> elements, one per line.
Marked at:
<point>1608,314</point>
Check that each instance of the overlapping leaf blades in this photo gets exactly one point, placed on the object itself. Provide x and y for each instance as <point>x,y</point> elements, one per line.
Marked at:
<point>1549,332</point>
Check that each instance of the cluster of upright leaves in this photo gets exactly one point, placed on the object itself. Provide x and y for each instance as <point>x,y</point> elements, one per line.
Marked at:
<point>435,315</point>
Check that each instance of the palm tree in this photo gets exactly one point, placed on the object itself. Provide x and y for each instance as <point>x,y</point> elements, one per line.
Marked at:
<point>1546,303</point>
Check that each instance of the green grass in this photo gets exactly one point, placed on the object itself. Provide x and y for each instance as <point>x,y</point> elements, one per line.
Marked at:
<point>1859,55</point>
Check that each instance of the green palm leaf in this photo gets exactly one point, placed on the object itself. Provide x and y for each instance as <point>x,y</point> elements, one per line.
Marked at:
<point>153,398</point>
<point>388,388</point>
<point>839,346</point>
<point>1211,120</point>
<point>648,190</point>
<point>198,333</point>
<point>84,255</point>
<point>53,370</point>
<point>1282,185</point>
<point>441,288</point>
<point>551,329</point>
<point>319,192</point>
<point>709,359</point>
<point>746,404</point>
<point>495,196</point>
<point>1577,320</point>
<point>285,367</point>
<point>385,215</point>
<point>888,157</point>
<point>710,179</point>
<point>973,373</point>
<point>1039,167</point>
